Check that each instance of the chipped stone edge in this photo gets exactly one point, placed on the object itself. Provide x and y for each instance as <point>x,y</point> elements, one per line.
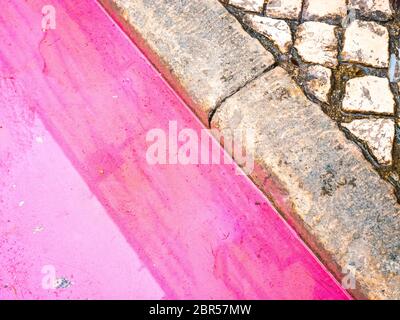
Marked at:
<point>273,189</point>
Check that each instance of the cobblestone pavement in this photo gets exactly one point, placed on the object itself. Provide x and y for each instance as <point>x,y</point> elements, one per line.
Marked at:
<point>344,54</point>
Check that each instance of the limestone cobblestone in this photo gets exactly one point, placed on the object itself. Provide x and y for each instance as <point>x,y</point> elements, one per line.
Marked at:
<point>316,43</point>
<point>317,9</point>
<point>318,82</point>
<point>378,134</point>
<point>380,9</point>
<point>278,31</point>
<point>283,9</point>
<point>249,5</point>
<point>367,43</point>
<point>369,94</point>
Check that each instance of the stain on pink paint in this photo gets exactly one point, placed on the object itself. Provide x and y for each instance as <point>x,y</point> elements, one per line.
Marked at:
<point>202,231</point>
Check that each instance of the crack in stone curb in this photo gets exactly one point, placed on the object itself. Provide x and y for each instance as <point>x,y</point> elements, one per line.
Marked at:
<point>219,103</point>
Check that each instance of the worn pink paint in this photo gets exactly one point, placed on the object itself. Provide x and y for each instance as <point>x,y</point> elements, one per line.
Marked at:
<point>49,218</point>
<point>201,230</point>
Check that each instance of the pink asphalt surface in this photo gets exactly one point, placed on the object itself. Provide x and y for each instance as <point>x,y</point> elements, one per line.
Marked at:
<point>77,194</point>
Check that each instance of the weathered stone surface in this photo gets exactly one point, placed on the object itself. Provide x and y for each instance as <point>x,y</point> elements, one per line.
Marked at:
<point>248,5</point>
<point>201,49</point>
<point>320,182</point>
<point>316,42</point>
<point>368,94</point>
<point>318,82</point>
<point>378,134</point>
<point>283,9</point>
<point>317,9</point>
<point>367,43</point>
<point>278,31</point>
<point>373,8</point>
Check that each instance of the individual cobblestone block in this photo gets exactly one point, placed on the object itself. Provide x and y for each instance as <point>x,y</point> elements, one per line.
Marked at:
<point>278,31</point>
<point>368,94</point>
<point>283,9</point>
<point>378,134</point>
<point>366,43</point>
<point>379,9</point>
<point>318,9</point>
<point>318,82</point>
<point>316,42</point>
<point>248,5</point>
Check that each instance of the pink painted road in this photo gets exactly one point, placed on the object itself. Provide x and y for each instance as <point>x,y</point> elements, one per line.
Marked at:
<point>80,203</point>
